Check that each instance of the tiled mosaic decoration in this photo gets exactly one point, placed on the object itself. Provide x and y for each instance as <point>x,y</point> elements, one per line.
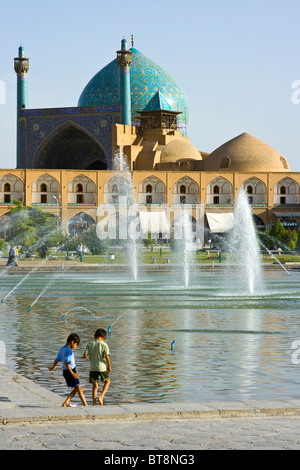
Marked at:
<point>146,78</point>
<point>39,126</point>
<point>158,102</point>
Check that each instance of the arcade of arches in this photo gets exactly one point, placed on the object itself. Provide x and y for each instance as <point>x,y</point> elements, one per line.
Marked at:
<point>68,194</point>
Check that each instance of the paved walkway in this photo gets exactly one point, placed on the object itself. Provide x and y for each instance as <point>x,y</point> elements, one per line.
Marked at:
<point>32,417</point>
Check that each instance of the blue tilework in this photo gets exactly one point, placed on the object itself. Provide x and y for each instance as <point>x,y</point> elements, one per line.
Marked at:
<point>146,79</point>
<point>39,126</point>
<point>158,103</point>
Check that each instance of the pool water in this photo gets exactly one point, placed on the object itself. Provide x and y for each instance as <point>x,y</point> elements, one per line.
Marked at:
<point>229,345</point>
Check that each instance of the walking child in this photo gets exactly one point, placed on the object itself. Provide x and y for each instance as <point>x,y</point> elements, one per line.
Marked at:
<point>66,357</point>
<point>98,353</point>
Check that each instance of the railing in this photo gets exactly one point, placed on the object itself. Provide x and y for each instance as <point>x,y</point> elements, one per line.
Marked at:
<point>8,204</point>
<point>153,204</point>
<point>290,204</point>
<point>187,204</point>
<point>164,204</point>
<point>54,204</point>
<point>80,204</point>
<point>229,204</point>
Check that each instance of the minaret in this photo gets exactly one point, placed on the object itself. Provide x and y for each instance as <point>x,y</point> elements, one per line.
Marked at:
<point>21,69</point>
<point>124,62</point>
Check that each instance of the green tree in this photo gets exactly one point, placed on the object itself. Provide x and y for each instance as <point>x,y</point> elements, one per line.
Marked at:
<point>149,240</point>
<point>93,242</point>
<point>71,242</point>
<point>31,227</point>
<point>289,239</point>
<point>2,244</point>
<point>280,236</point>
<point>277,230</point>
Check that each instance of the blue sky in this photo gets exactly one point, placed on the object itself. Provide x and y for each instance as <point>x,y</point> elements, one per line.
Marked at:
<point>235,60</point>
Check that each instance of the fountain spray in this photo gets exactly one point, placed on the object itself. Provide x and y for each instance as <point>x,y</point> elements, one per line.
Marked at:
<point>243,246</point>
<point>71,310</point>
<point>36,267</point>
<point>24,278</point>
<point>276,259</point>
<point>125,188</point>
<point>122,314</point>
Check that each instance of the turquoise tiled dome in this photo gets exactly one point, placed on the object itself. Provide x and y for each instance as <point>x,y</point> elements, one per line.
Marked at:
<point>146,78</point>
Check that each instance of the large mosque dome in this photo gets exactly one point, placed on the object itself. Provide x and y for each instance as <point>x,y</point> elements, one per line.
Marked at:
<point>146,78</point>
<point>245,153</point>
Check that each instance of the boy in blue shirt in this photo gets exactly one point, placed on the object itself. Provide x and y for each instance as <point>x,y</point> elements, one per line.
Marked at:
<point>66,356</point>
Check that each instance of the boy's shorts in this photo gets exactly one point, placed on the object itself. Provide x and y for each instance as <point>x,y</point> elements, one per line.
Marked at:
<point>95,376</point>
<point>71,381</point>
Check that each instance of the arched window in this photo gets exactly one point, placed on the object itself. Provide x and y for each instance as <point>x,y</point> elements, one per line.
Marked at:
<point>284,162</point>
<point>80,199</point>
<point>149,199</point>
<point>282,190</point>
<point>225,163</point>
<point>43,188</point>
<point>79,188</point>
<point>249,190</point>
<point>7,188</point>
<point>216,189</point>
<point>182,189</point>
<point>114,188</point>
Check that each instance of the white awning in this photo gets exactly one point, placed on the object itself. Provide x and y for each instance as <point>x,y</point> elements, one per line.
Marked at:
<point>220,222</point>
<point>154,222</point>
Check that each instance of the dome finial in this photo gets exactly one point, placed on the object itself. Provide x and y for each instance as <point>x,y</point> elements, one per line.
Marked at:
<point>123,44</point>
<point>132,41</point>
<point>21,51</point>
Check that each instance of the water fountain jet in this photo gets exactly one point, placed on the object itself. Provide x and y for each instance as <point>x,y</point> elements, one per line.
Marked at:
<point>184,236</point>
<point>126,191</point>
<point>244,253</point>
<point>274,257</point>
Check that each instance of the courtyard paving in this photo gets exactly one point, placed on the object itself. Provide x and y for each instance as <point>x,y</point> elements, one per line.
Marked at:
<point>32,418</point>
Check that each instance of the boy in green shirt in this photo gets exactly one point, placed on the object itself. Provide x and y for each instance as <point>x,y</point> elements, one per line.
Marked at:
<point>98,353</point>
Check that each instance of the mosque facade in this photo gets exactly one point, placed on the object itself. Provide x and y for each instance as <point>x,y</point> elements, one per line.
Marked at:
<point>132,115</point>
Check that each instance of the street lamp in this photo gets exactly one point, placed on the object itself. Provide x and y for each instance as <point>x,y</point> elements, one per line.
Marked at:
<point>57,204</point>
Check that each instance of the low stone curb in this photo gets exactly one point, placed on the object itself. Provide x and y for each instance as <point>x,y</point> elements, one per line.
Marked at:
<point>143,413</point>
<point>76,267</point>
<point>23,401</point>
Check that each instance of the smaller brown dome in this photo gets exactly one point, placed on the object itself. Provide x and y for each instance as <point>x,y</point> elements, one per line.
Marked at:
<point>179,150</point>
<point>245,153</point>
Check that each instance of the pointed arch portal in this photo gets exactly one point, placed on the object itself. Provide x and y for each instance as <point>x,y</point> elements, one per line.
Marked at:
<point>73,149</point>
<point>79,223</point>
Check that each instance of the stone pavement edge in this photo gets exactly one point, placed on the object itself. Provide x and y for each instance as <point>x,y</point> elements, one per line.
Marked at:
<point>23,401</point>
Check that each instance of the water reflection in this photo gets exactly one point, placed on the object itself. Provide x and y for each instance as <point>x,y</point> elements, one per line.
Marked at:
<point>228,346</point>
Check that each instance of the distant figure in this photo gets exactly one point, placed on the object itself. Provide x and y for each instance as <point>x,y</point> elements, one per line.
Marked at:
<point>44,250</point>
<point>79,250</point>
<point>98,353</point>
<point>12,256</point>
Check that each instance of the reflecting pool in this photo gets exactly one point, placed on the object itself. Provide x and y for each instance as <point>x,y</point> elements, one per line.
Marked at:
<point>229,345</point>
